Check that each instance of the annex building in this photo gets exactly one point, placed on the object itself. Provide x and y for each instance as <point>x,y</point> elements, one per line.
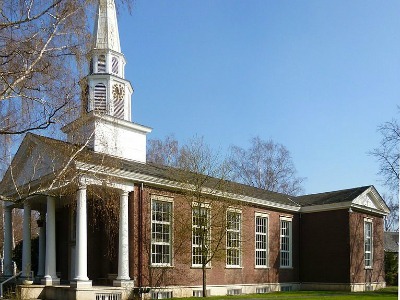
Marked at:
<point>113,225</point>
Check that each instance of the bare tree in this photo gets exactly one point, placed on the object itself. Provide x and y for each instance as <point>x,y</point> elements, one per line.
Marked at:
<point>266,165</point>
<point>387,154</point>
<point>163,152</point>
<point>204,180</point>
<point>391,220</point>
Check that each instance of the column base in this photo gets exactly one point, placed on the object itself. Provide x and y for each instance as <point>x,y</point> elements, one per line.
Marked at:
<point>50,281</point>
<point>123,283</point>
<point>81,284</point>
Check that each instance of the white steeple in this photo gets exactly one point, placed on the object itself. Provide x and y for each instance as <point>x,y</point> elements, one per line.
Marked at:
<point>106,105</point>
<point>106,27</point>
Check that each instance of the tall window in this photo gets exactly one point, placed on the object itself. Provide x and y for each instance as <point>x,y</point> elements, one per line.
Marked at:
<point>161,232</point>
<point>286,242</point>
<point>101,64</point>
<point>100,93</point>
<point>261,240</point>
<point>368,243</point>
<point>233,235</point>
<point>201,234</point>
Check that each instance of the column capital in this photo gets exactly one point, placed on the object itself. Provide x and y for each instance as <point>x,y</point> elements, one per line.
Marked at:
<point>82,185</point>
<point>124,192</point>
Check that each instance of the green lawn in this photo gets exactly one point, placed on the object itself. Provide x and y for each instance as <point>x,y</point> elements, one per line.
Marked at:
<point>387,293</point>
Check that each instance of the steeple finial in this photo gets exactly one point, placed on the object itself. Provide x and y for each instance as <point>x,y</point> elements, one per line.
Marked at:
<point>106,27</point>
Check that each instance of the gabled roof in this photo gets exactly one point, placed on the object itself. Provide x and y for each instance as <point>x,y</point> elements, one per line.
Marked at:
<point>331,197</point>
<point>150,173</point>
<point>364,198</point>
<point>391,243</point>
<point>85,159</point>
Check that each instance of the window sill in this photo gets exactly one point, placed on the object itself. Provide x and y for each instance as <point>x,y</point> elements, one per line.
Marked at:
<point>200,267</point>
<point>233,267</point>
<point>368,268</point>
<point>161,266</point>
<point>261,267</point>
<point>286,268</point>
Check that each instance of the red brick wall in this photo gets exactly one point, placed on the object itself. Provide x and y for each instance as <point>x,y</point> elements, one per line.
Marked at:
<point>324,247</point>
<point>360,274</point>
<point>181,272</point>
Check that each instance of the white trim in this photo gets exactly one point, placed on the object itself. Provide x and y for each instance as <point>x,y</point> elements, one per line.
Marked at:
<point>266,234</point>
<point>109,171</point>
<point>371,238</point>
<point>207,206</point>
<point>165,200</point>
<point>239,231</point>
<point>290,241</point>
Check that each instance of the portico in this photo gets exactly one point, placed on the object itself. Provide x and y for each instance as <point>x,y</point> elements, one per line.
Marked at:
<point>48,205</point>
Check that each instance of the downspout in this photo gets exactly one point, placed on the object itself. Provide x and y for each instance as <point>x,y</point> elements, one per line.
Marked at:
<point>140,236</point>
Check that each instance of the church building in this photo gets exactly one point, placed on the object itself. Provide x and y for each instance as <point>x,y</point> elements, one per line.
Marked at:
<point>113,226</point>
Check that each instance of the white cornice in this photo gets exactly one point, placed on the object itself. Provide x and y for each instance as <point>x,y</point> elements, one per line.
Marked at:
<point>153,180</point>
<point>84,119</point>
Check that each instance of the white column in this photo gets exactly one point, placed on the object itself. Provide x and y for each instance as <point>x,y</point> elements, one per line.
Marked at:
<point>8,264</point>
<point>50,276</point>
<point>26,245</point>
<point>81,279</point>
<point>123,242</point>
<point>42,245</point>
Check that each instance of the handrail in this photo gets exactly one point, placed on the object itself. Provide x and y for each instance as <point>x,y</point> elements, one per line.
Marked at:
<point>7,280</point>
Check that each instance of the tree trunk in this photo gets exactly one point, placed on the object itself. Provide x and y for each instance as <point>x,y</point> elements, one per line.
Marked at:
<point>204,280</point>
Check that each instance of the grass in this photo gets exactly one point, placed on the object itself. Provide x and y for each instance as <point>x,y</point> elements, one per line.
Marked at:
<point>386,293</point>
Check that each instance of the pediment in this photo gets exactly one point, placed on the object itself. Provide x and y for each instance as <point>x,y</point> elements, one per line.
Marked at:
<point>371,200</point>
<point>34,160</point>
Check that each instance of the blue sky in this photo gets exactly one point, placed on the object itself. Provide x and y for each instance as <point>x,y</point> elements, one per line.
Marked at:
<point>316,76</point>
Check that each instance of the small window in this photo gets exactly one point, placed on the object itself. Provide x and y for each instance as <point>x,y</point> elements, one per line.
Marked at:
<point>286,288</point>
<point>286,243</point>
<point>101,64</point>
<point>161,295</point>
<point>232,292</point>
<point>115,65</point>
<point>263,290</point>
<point>199,293</point>
<point>100,92</point>
<point>368,243</point>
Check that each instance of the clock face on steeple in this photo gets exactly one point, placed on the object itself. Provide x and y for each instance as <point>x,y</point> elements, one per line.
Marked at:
<point>118,91</point>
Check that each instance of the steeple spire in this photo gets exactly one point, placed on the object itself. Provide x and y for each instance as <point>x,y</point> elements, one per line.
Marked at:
<point>106,123</point>
<point>106,27</point>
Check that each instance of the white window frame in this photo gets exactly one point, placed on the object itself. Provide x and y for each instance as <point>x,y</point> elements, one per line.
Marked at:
<point>234,232</point>
<point>285,242</point>
<point>368,239</point>
<point>207,207</point>
<point>169,201</point>
<point>259,235</point>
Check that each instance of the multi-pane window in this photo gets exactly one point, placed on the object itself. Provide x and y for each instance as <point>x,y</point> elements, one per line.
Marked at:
<point>161,231</point>
<point>261,240</point>
<point>368,243</point>
<point>233,236</point>
<point>201,234</point>
<point>286,242</point>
